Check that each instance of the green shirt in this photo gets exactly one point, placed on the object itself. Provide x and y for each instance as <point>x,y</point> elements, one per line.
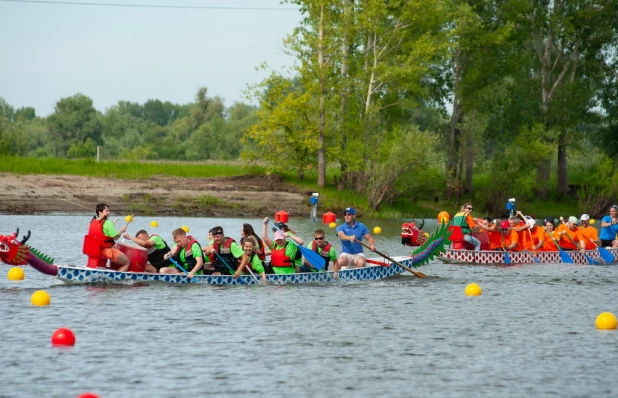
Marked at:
<point>109,229</point>
<point>256,264</point>
<point>159,244</point>
<point>332,253</point>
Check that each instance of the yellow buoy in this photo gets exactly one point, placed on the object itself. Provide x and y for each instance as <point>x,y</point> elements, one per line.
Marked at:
<point>473,290</point>
<point>332,225</point>
<point>16,274</point>
<point>377,230</point>
<point>185,228</point>
<point>592,221</point>
<point>606,321</point>
<point>154,224</point>
<point>128,219</point>
<point>443,217</point>
<point>40,298</point>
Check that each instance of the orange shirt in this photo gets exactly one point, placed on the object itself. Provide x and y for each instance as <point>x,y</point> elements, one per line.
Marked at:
<point>533,238</point>
<point>495,240</point>
<point>521,236</point>
<point>549,245</point>
<point>589,233</point>
<point>510,238</point>
<point>575,235</point>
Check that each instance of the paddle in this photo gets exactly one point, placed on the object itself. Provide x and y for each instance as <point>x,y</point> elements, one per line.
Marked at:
<point>410,270</point>
<point>312,257</point>
<point>180,267</point>
<point>224,262</point>
<point>535,256</point>
<point>590,260</point>
<point>563,256</point>
<point>507,259</point>
<point>604,253</point>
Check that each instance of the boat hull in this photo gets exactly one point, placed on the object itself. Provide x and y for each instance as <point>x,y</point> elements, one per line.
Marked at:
<point>74,274</point>
<point>492,257</point>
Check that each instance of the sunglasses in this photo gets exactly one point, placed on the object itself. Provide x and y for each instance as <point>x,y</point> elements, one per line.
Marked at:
<point>346,214</point>
<point>505,229</point>
<point>469,208</point>
<point>322,238</point>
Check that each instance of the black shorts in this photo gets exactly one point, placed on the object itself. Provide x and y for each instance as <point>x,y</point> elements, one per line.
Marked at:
<point>606,243</point>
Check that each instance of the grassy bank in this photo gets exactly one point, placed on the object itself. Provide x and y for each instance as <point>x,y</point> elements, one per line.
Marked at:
<point>422,205</point>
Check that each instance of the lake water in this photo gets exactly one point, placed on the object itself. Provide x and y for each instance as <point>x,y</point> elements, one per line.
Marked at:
<point>532,332</point>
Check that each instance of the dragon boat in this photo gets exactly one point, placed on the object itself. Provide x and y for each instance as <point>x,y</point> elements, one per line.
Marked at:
<point>15,252</point>
<point>493,257</point>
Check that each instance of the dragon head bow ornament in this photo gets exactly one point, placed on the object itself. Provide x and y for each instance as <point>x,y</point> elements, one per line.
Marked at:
<point>12,251</point>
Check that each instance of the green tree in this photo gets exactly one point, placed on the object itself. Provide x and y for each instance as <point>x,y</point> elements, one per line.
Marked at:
<point>74,121</point>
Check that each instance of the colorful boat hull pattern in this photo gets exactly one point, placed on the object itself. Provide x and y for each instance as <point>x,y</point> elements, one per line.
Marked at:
<point>453,256</point>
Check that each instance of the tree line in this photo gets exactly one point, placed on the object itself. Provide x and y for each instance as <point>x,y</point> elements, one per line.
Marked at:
<point>399,97</point>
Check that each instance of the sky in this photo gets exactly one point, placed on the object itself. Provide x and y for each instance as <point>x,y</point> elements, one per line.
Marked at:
<point>51,51</point>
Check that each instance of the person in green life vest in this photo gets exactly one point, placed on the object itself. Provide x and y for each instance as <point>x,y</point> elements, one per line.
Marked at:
<point>157,248</point>
<point>321,246</point>
<point>252,260</point>
<point>282,251</point>
<point>187,252</point>
<point>467,223</point>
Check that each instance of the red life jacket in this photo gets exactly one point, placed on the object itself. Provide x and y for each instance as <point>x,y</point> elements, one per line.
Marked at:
<point>262,252</point>
<point>278,257</point>
<point>189,261</point>
<point>96,231</point>
<point>325,250</point>
<point>225,253</point>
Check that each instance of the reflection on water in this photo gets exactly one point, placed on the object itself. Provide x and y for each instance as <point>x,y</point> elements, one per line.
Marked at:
<point>531,333</point>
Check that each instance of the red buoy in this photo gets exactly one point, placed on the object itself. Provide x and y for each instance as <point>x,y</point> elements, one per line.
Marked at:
<point>88,395</point>
<point>328,217</point>
<point>63,337</point>
<point>282,216</point>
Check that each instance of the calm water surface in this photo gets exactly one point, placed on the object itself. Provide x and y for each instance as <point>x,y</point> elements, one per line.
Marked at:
<point>530,334</point>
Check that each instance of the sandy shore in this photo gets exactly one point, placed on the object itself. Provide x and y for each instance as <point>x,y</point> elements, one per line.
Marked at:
<point>212,197</point>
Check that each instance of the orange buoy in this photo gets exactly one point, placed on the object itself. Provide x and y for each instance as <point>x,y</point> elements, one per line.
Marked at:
<point>63,337</point>
<point>329,217</point>
<point>443,217</point>
<point>282,216</point>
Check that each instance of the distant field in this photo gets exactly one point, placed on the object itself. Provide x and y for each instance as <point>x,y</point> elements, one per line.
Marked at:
<point>120,169</point>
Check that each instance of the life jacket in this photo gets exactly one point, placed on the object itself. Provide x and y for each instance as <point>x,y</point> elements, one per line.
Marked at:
<point>324,252</point>
<point>156,256</point>
<point>262,252</point>
<point>460,221</point>
<point>225,253</point>
<point>96,231</point>
<point>278,257</point>
<point>188,262</point>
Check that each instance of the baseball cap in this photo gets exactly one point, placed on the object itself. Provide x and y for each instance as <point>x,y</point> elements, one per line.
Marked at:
<point>505,225</point>
<point>349,210</point>
<point>585,217</point>
<point>279,235</point>
<point>530,222</point>
<point>573,220</point>
<point>550,220</point>
<point>217,231</point>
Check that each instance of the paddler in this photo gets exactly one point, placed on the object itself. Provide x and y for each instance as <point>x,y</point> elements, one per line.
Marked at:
<point>225,253</point>
<point>104,231</point>
<point>157,249</point>
<point>252,261</point>
<point>187,252</point>
<point>467,223</point>
<point>282,252</point>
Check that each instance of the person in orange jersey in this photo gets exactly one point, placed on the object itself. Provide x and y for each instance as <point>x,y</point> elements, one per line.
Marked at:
<point>533,236</point>
<point>508,237</point>
<point>589,233</point>
<point>573,232</point>
<point>494,234</point>
<point>550,235</point>
<point>518,224</point>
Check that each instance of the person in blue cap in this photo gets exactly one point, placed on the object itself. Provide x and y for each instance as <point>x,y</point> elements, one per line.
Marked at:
<point>349,232</point>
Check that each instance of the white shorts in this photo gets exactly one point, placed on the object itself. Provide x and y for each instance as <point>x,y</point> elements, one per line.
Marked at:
<point>351,259</point>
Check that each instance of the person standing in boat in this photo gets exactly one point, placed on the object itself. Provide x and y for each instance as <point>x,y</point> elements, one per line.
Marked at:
<point>609,228</point>
<point>349,232</point>
<point>282,252</point>
<point>157,249</point>
<point>321,246</point>
<point>252,261</point>
<point>104,231</point>
<point>187,252</point>
<point>225,253</point>
<point>467,223</point>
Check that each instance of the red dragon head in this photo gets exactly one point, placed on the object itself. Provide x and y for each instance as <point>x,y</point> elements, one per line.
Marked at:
<point>12,251</point>
<point>411,235</point>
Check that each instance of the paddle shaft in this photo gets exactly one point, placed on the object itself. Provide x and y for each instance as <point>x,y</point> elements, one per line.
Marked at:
<point>318,262</point>
<point>410,270</point>
<point>563,255</point>
<point>535,257</point>
<point>180,267</point>
<point>590,260</point>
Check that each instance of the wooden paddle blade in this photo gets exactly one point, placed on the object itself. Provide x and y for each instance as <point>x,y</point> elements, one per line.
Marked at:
<point>316,261</point>
<point>606,255</point>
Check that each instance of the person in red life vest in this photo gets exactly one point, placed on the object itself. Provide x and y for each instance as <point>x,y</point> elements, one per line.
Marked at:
<point>224,253</point>
<point>289,232</point>
<point>247,231</point>
<point>187,252</point>
<point>571,231</point>
<point>105,232</point>
<point>157,249</point>
<point>321,246</point>
<point>282,252</point>
<point>252,259</point>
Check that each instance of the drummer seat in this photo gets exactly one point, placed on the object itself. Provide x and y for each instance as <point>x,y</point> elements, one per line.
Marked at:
<point>92,249</point>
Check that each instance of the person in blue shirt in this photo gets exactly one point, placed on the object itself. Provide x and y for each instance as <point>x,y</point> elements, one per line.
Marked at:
<point>349,232</point>
<point>609,228</point>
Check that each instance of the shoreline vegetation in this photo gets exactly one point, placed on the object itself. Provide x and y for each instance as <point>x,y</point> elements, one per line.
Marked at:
<point>214,189</point>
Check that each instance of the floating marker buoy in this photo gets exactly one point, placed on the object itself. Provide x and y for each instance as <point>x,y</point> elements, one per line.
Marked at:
<point>606,321</point>
<point>128,219</point>
<point>443,217</point>
<point>473,290</point>
<point>16,274</point>
<point>185,228</point>
<point>592,221</point>
<point>332,225</point>
<point>88,395</point>
<point>40,298</point>
<point>63,337</point>
<point>154,224</point>
<point>377,230</point>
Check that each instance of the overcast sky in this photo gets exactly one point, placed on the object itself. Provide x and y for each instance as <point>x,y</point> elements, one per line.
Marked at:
<point>51,51</point>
